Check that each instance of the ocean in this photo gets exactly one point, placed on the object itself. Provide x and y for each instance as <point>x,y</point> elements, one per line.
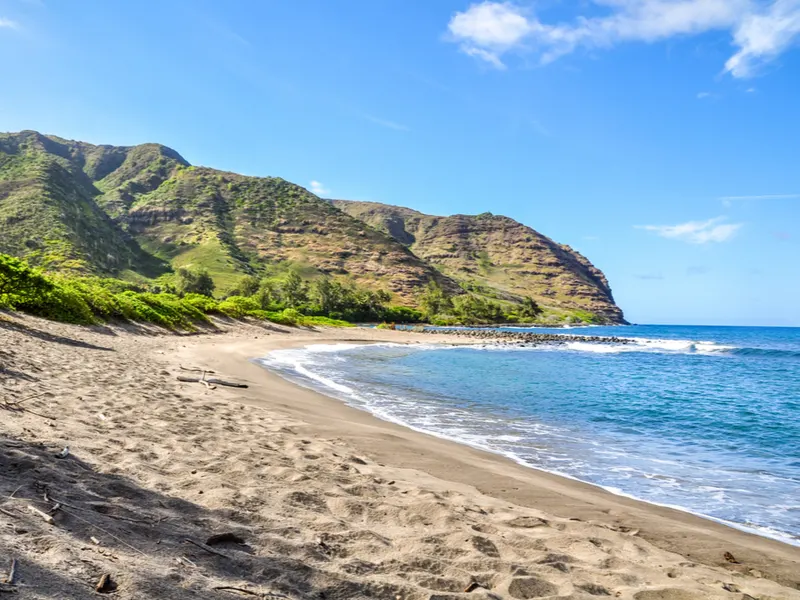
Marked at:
<point>703,419</point>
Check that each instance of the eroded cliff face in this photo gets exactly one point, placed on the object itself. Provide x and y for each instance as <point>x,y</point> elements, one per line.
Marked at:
<point>496,255</point>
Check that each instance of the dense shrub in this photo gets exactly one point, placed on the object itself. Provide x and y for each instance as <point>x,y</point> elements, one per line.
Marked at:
<point>202,303</point>
<point>193,281</point>
<point>238,306</point>
<point>402,314</point>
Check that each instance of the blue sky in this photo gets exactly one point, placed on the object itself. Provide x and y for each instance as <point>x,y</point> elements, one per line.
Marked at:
<point>661,138</point>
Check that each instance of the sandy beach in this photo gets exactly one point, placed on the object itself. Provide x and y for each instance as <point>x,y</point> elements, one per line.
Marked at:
<point>320,500</point>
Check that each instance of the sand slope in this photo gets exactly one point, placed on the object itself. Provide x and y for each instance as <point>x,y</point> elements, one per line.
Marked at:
<point>154,463</point>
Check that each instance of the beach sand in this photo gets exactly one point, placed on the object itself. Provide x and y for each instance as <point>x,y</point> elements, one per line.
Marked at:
<point>327,501</point>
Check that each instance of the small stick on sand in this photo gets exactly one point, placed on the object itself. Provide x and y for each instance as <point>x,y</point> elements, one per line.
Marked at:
<point>230,588</point>
<point>8,514</point>
<point>12,572</point>
<point>207,549</point>
<point>8,589</point>
<point>18,402</point>
<point>47,518</point>
<point>105,585</point>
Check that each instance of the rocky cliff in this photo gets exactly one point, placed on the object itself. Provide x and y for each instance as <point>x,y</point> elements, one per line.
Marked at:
<point>496,256</point>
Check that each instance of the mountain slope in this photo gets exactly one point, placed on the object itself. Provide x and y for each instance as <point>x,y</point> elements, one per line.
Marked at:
<point>107,209</point>
<point>496,256</point>
<point>48,212</point>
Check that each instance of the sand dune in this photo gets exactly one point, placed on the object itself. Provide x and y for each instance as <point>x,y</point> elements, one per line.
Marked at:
<point>328,503</point>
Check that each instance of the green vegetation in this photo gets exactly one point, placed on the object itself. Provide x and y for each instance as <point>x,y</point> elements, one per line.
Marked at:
<point>90,300</point>
<point>188,281</point>
<point>137,233</point>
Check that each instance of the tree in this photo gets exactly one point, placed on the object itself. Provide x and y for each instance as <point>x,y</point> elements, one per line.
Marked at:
<point>193,281</point>
<point>327,295</point>
<point>247,286</point>
<point>435,300</point>
<point>294,291</point>
<point>471,309</point>
<point>529,309</point>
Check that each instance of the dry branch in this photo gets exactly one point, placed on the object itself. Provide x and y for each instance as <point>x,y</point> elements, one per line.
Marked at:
<point>230,588</point>
<point>207,549</point>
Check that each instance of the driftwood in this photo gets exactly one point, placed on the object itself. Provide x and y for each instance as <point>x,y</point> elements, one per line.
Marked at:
<point>8,514</point>
<point>8,589</point>
<point>212,380</point>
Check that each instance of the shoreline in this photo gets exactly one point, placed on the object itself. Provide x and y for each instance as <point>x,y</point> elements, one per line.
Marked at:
<point>666,527</point>
<point>330,500</point>
<point>778,536</point>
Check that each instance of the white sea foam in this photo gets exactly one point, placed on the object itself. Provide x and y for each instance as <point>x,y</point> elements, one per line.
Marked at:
<point>318,372</point>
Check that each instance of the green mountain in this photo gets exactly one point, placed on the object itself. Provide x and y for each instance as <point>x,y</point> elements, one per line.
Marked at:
<point>141,211</point>
<point>497,257</point>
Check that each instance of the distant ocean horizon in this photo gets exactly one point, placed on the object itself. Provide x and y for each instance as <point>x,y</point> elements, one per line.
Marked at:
<point>705,419</point>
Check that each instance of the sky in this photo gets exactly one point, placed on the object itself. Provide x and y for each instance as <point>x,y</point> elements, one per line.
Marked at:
<point>660,138</point>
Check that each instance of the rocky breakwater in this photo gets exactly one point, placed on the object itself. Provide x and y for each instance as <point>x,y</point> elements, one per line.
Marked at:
<point>525,338</point>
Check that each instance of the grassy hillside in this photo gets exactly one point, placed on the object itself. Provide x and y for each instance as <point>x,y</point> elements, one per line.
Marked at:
<point>48,212</point>
<point>496,257</point>
<point>139,212</point>
<point>142,210</point>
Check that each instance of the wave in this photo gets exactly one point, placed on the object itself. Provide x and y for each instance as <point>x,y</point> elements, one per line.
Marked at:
<point>312,366</point>
<point>680,347</point>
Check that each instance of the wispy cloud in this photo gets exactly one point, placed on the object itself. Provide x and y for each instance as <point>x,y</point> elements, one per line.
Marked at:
<point>696,232</point>
<point>319,189</point>
<point>649,276</point>
<point>8,23</point>
<point>386,123</point>
<point>704,95</point>
<point>761,30</point>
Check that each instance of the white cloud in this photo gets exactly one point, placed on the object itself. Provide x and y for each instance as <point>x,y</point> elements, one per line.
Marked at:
<point>761,29</point>
<point>703,95</point>
<point>696,232</point>
<point>386,123</point>
<point>8,23</point>
<point>319,189</point>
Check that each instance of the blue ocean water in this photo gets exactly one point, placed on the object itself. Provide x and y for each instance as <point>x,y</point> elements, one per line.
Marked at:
<point>706,419</point>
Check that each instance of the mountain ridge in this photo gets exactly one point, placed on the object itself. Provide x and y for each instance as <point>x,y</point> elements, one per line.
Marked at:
<point>140,211</point>
<point>497,252</point>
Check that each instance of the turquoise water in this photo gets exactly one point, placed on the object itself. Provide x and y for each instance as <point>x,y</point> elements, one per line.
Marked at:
<point>706,419</point>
